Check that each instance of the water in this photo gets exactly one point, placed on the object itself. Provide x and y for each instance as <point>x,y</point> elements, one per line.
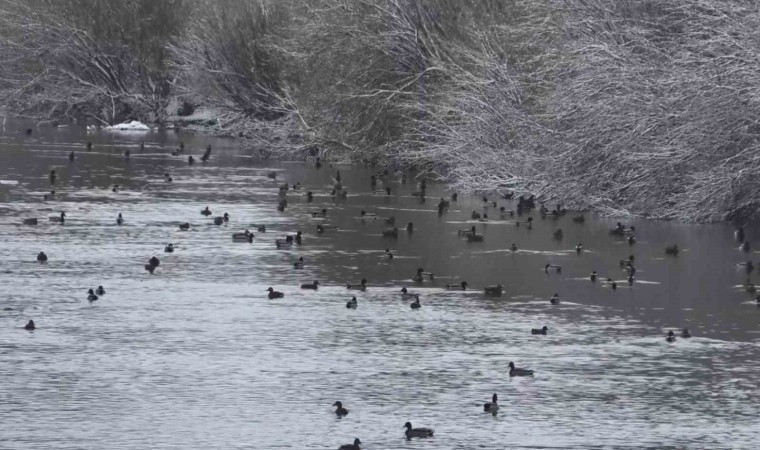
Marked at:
<point>196,356</point>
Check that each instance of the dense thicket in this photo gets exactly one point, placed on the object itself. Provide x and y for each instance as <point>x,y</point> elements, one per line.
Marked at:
<point>645,107</point>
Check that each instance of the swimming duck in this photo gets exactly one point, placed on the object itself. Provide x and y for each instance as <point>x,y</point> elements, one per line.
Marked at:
<point>442,205</point>
<point>283,244</point>
<point>126,153</point>
<point>169,248</point>
<point>417,432</point>
<point>91,295</point>
<point>221,219</point>
<point>739,234</point>
<point>630,280</point>
<point>671,250</point>
<point>116,188</point>
<point>421,275</point>
<point>555,299</point>
<point>745,246</point>
<point>298,237</point>
<point>631,240</point>
<point>365,215</point>
<point>30,326</point>
<point>579,219</point>
<point>410,227</point>
<point>190,160</point>
<point>326,227</point>
<point>150,268</point>
<point>206,212</point>
<point>556,267</point>
<point>518,372</point>
<point>322,213</point>
<point>50,196</point>
<point>299,264</point>
<point>406,295</point>
<point>58,219</point>
<point>454,197</point>
<point>340,411</point>
<point>748,266</point>
<point>391,232</point>
<point>184,226</point>
<point>261,228</point>
<point>624,262</point>
<point>42,257</point>
<point>475,215</point>
<point>297,186</point>
<point>32,221</point>
<point>671,337</point>
<point>272,175</point>
<point>206,154</point>
<point>312,286</point>
<point>354,446</point>
<point>318,163</point>
<point>390,220</point>
<point>494,291</point>
<point>467,232</point>
<point>119,220</point>
<point>100,291</point>
<point>685,333</point>
<point>358,287</point>
<point>612,284</point>
<point>474,238</point>
<point>542,330</point>
<point>351,304</point>
<point>275,294</point>
<point>52,176</point>
<point>337,176</point>
<point>89,146</point>
<point>492,406</point>
<point>71,156</point>
<point>457,287</point>
<point>513,247</point>
<point>558,234</point>
<point>579,248</point>
<point>593,276</point>
<point>168,177</point>
<point>388,253</point>
<point>245,236</point>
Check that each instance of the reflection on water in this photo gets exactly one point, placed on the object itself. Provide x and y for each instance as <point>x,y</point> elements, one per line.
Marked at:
<point>196,356</point>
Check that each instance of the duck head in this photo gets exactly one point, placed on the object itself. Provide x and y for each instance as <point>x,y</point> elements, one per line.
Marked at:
<point>91,292</point>
<point>495,398</point>
<point>511,365</point>
<point>364,281</point>
<point>403,290</point>
<point>408,425</point>
<point>545,328</point>
<point>464,285</point>
<point>270,289</point>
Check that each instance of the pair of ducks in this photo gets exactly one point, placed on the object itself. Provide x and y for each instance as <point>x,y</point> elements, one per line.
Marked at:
<point>93,295</point>
<point>409,433</point>
<point>671,337</point>
<point>153,262</point>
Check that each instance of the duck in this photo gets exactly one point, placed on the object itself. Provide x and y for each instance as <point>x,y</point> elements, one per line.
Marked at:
<point>739,234</point>
<point>519,372</point>
<point>631,279</point>
<point>340,411</point>
<point>579,248</point>
<point>494,291</point>
<point>351,304</point>
<point>417,432</point>
<point>261,228</point>
<point>443,205</point>
<point>169,248</point>
<point>513,248</point>
<point>420,276</point>
<point>126,153</point>
<point>50,196</point>
<point>631,240</point>
<point>150,268</point>
<point>168,178</point>
<point>71,156</point>
<point>457,287</point>
<point>283,244</point>
<point>190,160</point>
<point>312,286</point>
<point>362,286</point>
<point>89,146</point>
<point>475,215</point>
<point>555,299</point>
<point>245,236</point>
<point>120,220</point>
<point>326,227</point>
<point>42,257</point>
<point>410,227</point>
<point>541,330</point>
<point>492,406</point>
<point>388,253</point>
<point>30,326</point>
<point>355,445</point>
<point>391,232</point>
<point>58,219</point>
<point>91,295</point>
<point>299,264</point>
<point>390,220</point>
<point>556,267</point>
<point>206,154</point>
<point>365,215</point>
<point>474,238</point>
<point>612,284</point>
<point>275,294</point>
<point>322,213</point>
<point>206,212</point>
<point>467,232</point>
<point>32,221</point>
<point>745,246</point>
<point>748,266</point>
<point>52,176</point>
<point>624,262</point>
<point>579,219</point>
<point>309,197</point>
<point>184,226</point>
<point>685,333</point>
<point>593,276</point>
<point>221,219</point>
<point>116,188</point>
<point>406,295</point>
<point>558,234</point>
<point>748,286</point>
<point>100,291</point>
<point>671,250</point>
<point>272,175</point>
<point>671,337</point>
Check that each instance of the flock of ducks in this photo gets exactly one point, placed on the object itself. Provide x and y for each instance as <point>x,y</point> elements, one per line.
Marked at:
<point>391,231</point>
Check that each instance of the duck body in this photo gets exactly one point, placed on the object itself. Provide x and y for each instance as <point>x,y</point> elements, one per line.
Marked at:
<point>494,291</point>
<point>554,300</point>
<point>391,233</point>
<point>206,212</point>
<point>313,286</point>
<point>354,446</point>
<point>58,219</point>
<point>406,295</point>
<point>42,257</point>
<point>492,406</point>
<point>417,432</point>
<point>358,287</point>
<point>457,287</point>
<point>672,250</point>
<point>184,226</point>
<point>685,333</point>
<point>351,304</point>
<point>119,220</point>
<point>32,221</point>
<point>299,264</point>
<point>283,244</point>
<point>30,326</point>
<point>475,238</point>
<point>670,337</point>
<point>274,294</point>
<point>91,296</point>
<point>322,213</point>
<point>416,303</point>
<point>519,372</point>
<point>541,330</point>
<point>340,411</point>
<point>100,291</point>
<point>169,248</point>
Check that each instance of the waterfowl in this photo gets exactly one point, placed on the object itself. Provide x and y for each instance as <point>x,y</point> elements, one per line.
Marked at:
<point>390,220</point>
<point>218,220</point>
<point>541,330</point>
<point>417,432</point>
<point>593,276</point>
<point>272,175</point>
<point>32,221</point>
<point>685,333</point>
<point>30,325</point>
<point>206,212</point>
<point>299,264</point>
<point>631,240</point>
<point>739,234</point>
<point>558,234</point>
<point>519,372</point>
<point>351,304</point>
<point>181,146</point>
<point>115,188</point>
<point>474,238</point>
<point>168,177</point>
<point>513,247</point>
<point>126,153</point>
<point>52,176</point>
<point>554,300</point>
<point>354,446</point>
<point>671,250</point>
<point>245,236</point>
<point>42,257</point>
<point>275,294</point>
<point>340,411</point>
<point>326,227</point>
<point>671,337</point>
<point>630,280</point>
<point>410,227</point>
<point>91,295</point>
<point>492,406</point>
<point>556,267</point>
<point>207,154</point>
<point>467,232</point>
<point>442,205</point>
<point>365,215</point>
<point>337,176</point>
<point>184,226</point>
<point>89,146</point>
<point>391,232</point>
<point>58,219</point>
<point>190,160</point>
<point>261,228</point>
<point>457,287</point>
<point>169,248</point>
<point>362,286</point>
<point>322,213</point>
<point>624,262</point>
<point>283,244</point>
<point>388,253</point>
<point>748,266</point>
<point>579,248</point>
<point>748,286</point>
<point>406,295</point>
<point>71,156</point>
<point>150,268</point>
<point>475,215</point>
<point>745,246</point>
<point>120,220</point>
<point>494,291</point>
<point>579,219</point>
<point>421,275</point>
<point>312,286</point>
<point>454,197</point>
<point>613,284</point>
<point>100,291</point>
<point>297,186</point>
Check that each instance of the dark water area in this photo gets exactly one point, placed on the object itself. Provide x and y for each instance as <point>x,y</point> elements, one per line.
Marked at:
<point>197,356</point>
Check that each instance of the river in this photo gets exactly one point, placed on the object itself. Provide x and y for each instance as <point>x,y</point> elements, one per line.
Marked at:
<point>196,355</point>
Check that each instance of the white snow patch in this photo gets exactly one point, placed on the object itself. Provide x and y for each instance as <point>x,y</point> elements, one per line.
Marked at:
<point>128,126</point>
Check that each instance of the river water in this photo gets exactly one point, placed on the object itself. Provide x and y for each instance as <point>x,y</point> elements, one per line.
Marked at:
<point>196,355</point>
